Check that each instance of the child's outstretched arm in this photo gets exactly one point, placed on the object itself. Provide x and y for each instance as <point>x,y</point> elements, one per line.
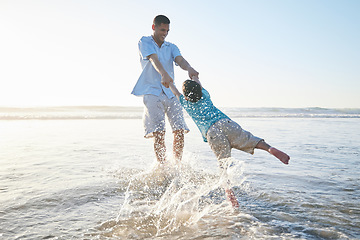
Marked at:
<point>196,79</point>
<point>174,90</point>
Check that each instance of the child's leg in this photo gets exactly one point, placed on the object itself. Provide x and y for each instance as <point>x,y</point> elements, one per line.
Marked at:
<point>231,197</point>
<point>283,157</point>
<point>229,193</point>
<point>222,150</point>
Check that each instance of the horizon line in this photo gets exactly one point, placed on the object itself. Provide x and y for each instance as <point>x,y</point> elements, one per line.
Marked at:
<point>137,106</point>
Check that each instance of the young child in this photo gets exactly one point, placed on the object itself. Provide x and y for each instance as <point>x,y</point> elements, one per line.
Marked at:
<point>219,130</point>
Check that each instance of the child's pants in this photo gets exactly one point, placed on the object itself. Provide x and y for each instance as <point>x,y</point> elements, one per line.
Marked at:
<point>226,134</point>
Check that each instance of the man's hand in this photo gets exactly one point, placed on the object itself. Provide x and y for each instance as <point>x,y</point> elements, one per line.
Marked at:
<point>166,80</point>
<point>193,73</point>
<point>186,66</point>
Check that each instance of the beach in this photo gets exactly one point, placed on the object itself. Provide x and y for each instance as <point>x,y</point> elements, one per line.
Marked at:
<point>88,173</point>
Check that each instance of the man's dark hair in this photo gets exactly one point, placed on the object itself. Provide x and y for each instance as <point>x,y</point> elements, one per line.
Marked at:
<point>159,19</point>
<point>192,90</point>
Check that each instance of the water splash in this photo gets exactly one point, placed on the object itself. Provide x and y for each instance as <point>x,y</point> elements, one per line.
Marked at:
<point>172,199</point>
<point>182,202</point>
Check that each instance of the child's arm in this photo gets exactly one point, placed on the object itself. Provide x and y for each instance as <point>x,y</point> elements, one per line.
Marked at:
<point>174,90</point>
<point>196,79</point>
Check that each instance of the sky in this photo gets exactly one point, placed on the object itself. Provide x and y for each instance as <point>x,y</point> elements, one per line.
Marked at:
<point>258,53</point>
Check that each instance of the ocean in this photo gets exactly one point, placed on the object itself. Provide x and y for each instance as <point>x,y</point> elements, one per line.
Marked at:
<point>88,173</point>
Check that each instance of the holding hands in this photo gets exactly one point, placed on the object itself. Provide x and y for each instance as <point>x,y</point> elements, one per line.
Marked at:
<point>166,79</point>
<point>193,73</point>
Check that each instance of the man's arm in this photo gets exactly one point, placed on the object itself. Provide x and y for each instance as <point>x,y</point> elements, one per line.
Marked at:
<point>174,90</point>
<point>196,79</point>
<point>180,60</point>
<point>165,77</point>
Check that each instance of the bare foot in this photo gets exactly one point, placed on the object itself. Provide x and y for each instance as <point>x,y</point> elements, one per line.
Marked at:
<point>283,157</point>
<point>231,197</point>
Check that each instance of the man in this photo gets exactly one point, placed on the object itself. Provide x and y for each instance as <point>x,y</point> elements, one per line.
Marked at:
<point>157,59</point>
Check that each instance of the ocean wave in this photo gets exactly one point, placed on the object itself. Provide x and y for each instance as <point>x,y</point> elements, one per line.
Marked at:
<point>70,113</point>
<point>315,112</point>
<point>118,112</point>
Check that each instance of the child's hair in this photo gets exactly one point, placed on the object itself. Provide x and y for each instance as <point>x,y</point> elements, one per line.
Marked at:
<point>192,90</point>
